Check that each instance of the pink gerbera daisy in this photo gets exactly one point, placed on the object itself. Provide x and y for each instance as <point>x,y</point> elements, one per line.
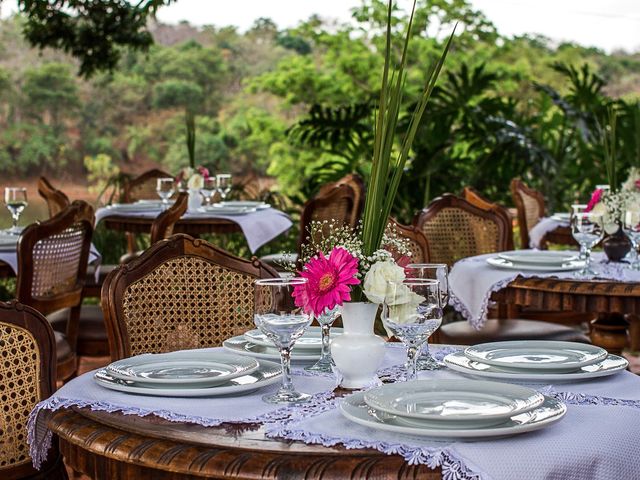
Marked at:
<point>330,280</point>
<point>595,199</point>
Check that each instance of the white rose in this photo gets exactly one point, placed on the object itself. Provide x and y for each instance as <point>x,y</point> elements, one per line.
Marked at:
<point>375,281</point>
<point>196,182</point>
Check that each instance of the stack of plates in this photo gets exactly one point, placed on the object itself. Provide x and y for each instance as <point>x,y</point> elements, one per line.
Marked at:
<point>226,209</point>
<point>536,361</point>
<point>537,261</point>
<point>256,344</point>
<point>243,204</point>
<point>188,374</point>
<point>136,207</point>
<point>453,409</point>
<point>8,241</point>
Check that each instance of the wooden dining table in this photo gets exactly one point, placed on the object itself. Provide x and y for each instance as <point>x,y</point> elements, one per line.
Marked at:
<point>113,446</point>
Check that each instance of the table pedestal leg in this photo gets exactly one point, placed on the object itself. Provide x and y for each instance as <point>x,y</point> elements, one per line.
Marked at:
<point>610,331</point>
<point>634,332</point>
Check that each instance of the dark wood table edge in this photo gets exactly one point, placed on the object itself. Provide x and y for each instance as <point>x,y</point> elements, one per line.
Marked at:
<point>91,446</point>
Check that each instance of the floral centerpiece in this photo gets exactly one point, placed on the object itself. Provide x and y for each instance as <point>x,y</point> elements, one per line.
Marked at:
<point>192,178</point>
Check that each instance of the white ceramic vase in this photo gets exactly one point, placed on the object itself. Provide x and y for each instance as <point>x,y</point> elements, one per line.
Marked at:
<point>358,352</point>
<point>195,200</point>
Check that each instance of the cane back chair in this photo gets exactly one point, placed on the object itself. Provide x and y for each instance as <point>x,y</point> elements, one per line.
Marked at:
<point>27,376</point>
<point>143,187</point>
<point>52,264</point>
<point>56,199</point>
<point>530,206</point>
<point>456,229</point>
<point>474,197</point>
<point>181,293</point>
<point>357,184</point>
<point>415,239</point>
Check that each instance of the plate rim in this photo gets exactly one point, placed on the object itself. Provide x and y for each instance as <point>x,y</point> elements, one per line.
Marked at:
<point>498,262</point>
<point>571,256</point>
<point>337,331</point>
<point>295,356</point>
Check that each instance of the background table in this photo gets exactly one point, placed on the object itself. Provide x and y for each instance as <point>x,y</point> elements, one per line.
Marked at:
<point>113,446</point>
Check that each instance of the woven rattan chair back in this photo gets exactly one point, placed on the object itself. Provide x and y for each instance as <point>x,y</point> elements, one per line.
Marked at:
<point>143,187</point>
<point>336,205</point>
<point>56,200</point>
<point>162,226</point>
<point>27,376</point>
<point>417,242</point>
<point>456,229</point>
<point>530,206</point>
<point>472,196</point>
<point>357,184</point>
<point>181,293</point>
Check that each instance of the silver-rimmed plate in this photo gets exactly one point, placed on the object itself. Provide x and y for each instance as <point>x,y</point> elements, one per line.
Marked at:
<point>243,204</point>
<point>609,366</point>
<point>459,403</point>
<point>243,346</point>
<point>311,339</point>
<point>507,265</point>
<point>195,369</point>
<point>539,257</point>
<point>356,409</point>
<point>266,374</point>
<point>536,355</point>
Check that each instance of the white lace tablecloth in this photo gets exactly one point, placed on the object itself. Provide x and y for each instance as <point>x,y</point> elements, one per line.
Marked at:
<point>596,440</point>
<point>544,226</point>
<point>10,257</point>
<point>258,227</point>
<point>472,281</point>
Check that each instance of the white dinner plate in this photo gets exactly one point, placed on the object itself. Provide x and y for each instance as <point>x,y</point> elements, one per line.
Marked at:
<point>135,207</point>
<point>8,241</point>
<point>266,374</point>
<point>356,409</point>
<point>539,257</point>
<point>226,210</point>
<point>561,217</point>
<point>311,339</point>
<point>536,355</point>
<point>243,204</point>
<point>458,403</point>
<point>192,368</point>
<point>243,346</point>
<point>507,265</point>
<point>609,366</point>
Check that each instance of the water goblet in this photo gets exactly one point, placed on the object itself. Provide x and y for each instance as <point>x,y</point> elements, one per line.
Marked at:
<point>578,208</point>
<point>433,271</point>
<point>223,182</point>
<point>631,227</point>
<point>277,317</point>
<point>208,190</point>
<point>15,198</point>
<point>325,319</point>
<point>165,187</point>
<point>411,311</point>
<point>587,229</point>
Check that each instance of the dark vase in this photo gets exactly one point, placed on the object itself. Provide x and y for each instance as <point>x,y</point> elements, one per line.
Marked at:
<point>616,246</point>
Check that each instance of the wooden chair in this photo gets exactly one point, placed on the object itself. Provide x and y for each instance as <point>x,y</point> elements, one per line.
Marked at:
<point>181,293</point>
<point>356,182</point>
<point>56,200</point>
<point>456,229</point>
<point>417,241</point>
<point>143,187</point>
<point>472,196</point>
<point>530,206</point>
<point>27,376</point>
<point>52,264</point>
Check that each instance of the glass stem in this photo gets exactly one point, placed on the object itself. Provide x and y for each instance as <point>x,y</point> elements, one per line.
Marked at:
<point>587,258</point>
<point>412,360</point>
<point>583,251</point>
<point>15,219</point>
<point>285,360</point>
<point>325,341</point>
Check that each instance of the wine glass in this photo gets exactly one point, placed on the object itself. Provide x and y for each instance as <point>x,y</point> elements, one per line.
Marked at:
<point>277,316</point>
<point>631,227</point>
<point>325,320</point>
<point>433,271</point>
<point>15,198</point>
<point>208,190</point>
<point>165,187</point>
<point>411,311</point>
<point>587,229</point>
<point>577,208</point>
<point>223,183</point>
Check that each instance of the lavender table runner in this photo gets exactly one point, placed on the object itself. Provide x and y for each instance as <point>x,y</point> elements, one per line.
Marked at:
<point>472,281</point>
<point>544,226</point>
<point>581,446</point>
<point>258,227</point>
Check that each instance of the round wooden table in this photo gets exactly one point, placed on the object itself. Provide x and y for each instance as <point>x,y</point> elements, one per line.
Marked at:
<point>191,226</point>
<point>616,303</point>
<point>113,446</point>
